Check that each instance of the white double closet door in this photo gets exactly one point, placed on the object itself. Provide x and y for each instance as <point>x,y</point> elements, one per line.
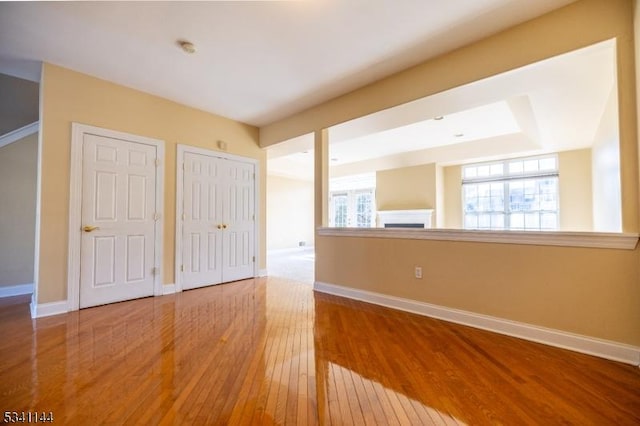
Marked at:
<point>218,220</point>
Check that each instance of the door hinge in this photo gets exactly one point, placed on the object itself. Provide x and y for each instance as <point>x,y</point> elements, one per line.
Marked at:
<point>253,217</point>
<point>156,216</point>
<point>184,216</point>
<point>181,268</point>
<point>254,259</point>
<point>183,166</point>
<point>155,271</point>
<point>157,162</point>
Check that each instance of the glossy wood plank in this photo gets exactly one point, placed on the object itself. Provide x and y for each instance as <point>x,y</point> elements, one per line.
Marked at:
<point>270,351</point>
<point>465,375</point>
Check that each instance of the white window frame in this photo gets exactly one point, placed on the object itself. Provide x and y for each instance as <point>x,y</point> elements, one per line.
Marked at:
<point>352,207</point>
<point>507,176</point>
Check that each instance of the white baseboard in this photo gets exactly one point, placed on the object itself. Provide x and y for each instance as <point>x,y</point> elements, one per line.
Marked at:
<point>262,272</point>
<point>168,289</point>
<point>55,308</point>
<point>16,290</point>
<point>39,310</point>
<point>598,347</point>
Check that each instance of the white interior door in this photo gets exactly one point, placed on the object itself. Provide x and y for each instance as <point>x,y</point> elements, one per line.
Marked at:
<point>117,247</point>
<point>218,220</point>
<point>239,217</point>
<point>202,221</point>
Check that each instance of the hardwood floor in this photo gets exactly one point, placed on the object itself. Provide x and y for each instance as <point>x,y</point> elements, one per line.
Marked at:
<point>271,352</point>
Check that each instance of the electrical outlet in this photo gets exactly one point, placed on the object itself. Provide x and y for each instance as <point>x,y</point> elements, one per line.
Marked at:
<point>418,272</point>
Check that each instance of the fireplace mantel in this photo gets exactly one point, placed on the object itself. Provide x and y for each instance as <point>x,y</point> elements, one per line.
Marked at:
<point>388,218</point>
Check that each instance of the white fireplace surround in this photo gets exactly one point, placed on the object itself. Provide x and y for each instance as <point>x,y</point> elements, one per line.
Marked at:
<point>422,216</point>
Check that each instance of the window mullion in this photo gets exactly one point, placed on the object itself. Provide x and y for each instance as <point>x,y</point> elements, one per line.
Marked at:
<point>353,208</point>
<point>507,205</point>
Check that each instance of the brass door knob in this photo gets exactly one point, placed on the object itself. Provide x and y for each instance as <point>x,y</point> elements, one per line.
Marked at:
<point>224,226</point>
<point>219,226</point>
<point>90,228</point>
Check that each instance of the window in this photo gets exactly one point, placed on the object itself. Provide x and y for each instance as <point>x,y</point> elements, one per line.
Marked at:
<point>352,201</point>
<point>364,208</point>
<point>340,207</point>
<point>352,209</point>
<point>518,194</point>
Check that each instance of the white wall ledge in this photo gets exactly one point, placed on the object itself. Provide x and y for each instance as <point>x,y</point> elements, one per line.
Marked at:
<point>540,238</point>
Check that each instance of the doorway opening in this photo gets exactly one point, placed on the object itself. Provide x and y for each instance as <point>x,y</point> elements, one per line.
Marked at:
<point>290,201</point>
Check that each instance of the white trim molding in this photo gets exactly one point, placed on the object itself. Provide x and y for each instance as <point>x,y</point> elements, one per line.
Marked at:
<point>262,273</point>
<point>16,290</point>
<point>16,135</point>
<point>39,310</point>
<point>418,217</point>
<point>622,241</point>
<point>168,289</point>
<point>75,206</point>
<point>588,345</point>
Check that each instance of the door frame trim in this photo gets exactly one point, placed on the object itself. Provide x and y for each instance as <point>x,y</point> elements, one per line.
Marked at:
<point>78,131</point>
<point>181,149</point>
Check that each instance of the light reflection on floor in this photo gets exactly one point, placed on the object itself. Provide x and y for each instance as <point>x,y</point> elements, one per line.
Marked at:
<point>348,391</point>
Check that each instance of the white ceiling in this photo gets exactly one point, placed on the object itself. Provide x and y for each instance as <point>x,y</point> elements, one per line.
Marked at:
<point>486,121</point>
<point>550,106</point>
<point>256,62</point>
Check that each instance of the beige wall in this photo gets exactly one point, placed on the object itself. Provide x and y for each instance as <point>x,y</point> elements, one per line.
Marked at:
<point>18,169</point>
<point>636,26</point>
<point>68,97</point>
<point>406,188</point>
<point>576,205</point>
<point>289,212</point>
<point>440,210</point>
<point>592,292</point>
<point>453,197</point>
